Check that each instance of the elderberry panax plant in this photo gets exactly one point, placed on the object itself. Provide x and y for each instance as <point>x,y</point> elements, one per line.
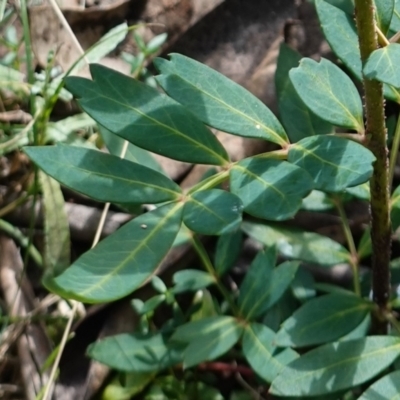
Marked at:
<point>301,338</point>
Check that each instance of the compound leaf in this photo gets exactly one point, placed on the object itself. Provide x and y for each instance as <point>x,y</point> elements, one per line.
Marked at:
<point>102,176</point>
<point>333,162</point>
<point>145,117</point>
<point>123,261</point>
<point>262,354</point>
<point>218,101</point>
<point>336,366</point>
<point>213,212</point>
<point>323,320</point>
<point>329,93</point>
<point>270,189</point>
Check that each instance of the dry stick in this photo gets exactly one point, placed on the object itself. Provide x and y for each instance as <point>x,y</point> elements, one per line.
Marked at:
<point>380,197</point>
<point>50,386</point>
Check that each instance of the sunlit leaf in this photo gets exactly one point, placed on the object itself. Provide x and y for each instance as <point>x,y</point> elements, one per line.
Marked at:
<point>218,101</point>
<point>297,244</point>
<point>333,162</point>
<point>123,261</point>
<point>303,285</point>
<point>261,353</point>
<point>270,189</point>
<point>102,176</point>
<point>329,93</point>
<point>145,117</point>
<point>387,387</point>
<point>323,319</point>
<point>336,366</point>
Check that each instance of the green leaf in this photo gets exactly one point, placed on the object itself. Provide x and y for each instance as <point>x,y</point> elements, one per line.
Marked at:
<point>213,212</point>
<point>293,243</point>
<point>384,12</point>
<point>258,294</point>
<point>317,201</point>
<point>270,189</point>
<point>123,261</point>
<point>387,387</point>
<point>303,285</point>
<point>337,366</point>
<point>56,227</point>
<point>382,65</point>
<point>395,208</point>
<point>208,338</point>
<point>298,120</point>
<point>218,101</point>
<point>261,353</point>
<point>360,192</point>
<point>133,352</point>
<point>323,319</point>
<point>191,280</point>
<point>395,22</point>
<point>329,93</point>
<point>333,162</point>
<point>229,247</point>
<point>103,177</point>
<point>145,117</point>
<point>133,153</point>
<point>344,40</point>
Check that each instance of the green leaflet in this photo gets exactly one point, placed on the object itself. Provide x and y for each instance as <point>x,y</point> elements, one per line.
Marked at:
<point>191,280</point>
<point>145,117</point>
<point>323,319</point>
<point>258,295</point>
<point>298,120</point>
<point>297,244</point>
<point>382,65</point>
<point>123,261</point>
<point>103,177</point>
<point>385,388</point>
<point>395,22</point>
<point>56,228</point>
<point>329,93</point>
<point>229,247</point>
<point>213,212</point>
<point>270,189</point>
<point>218,101</point>
<point>337,366</point>
<point>208,338</point>
<point>261,352</point>
<point>333,162</point>
<point>395,208</point>
<point>133,352</point>
<point>384,13</point>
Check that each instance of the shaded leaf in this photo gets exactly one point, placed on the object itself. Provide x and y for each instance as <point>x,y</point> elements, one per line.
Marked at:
<point>395,208</point>
<point>57,253</point>
<point>360,192</point>
<point>270,189</point>
<point>388,387</point>
<point>133,352</point>
<point>337,366</point>
<point>103,177</point>
<point>384,12</point>
<point>123,261</point>
<point>213,212</point>
<point>317,201</point>
<point>333,162</point>
<point>303,285</point>
<point>229,247</point>
<point>298,120</point>
<point>329,93</point>
<point>145,117</point>
<point>323,319</point>
<point>191,280</point>
<point>293,243</point>
<point>262,354</point>
<point>264,285</point>
<point>382,65</point>
<point>218,101</point>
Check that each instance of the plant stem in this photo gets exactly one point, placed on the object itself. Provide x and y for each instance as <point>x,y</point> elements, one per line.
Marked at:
<point>379,183</point>
<point>200,250</point>
<point>350,242</point>
<point>394,151</point>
